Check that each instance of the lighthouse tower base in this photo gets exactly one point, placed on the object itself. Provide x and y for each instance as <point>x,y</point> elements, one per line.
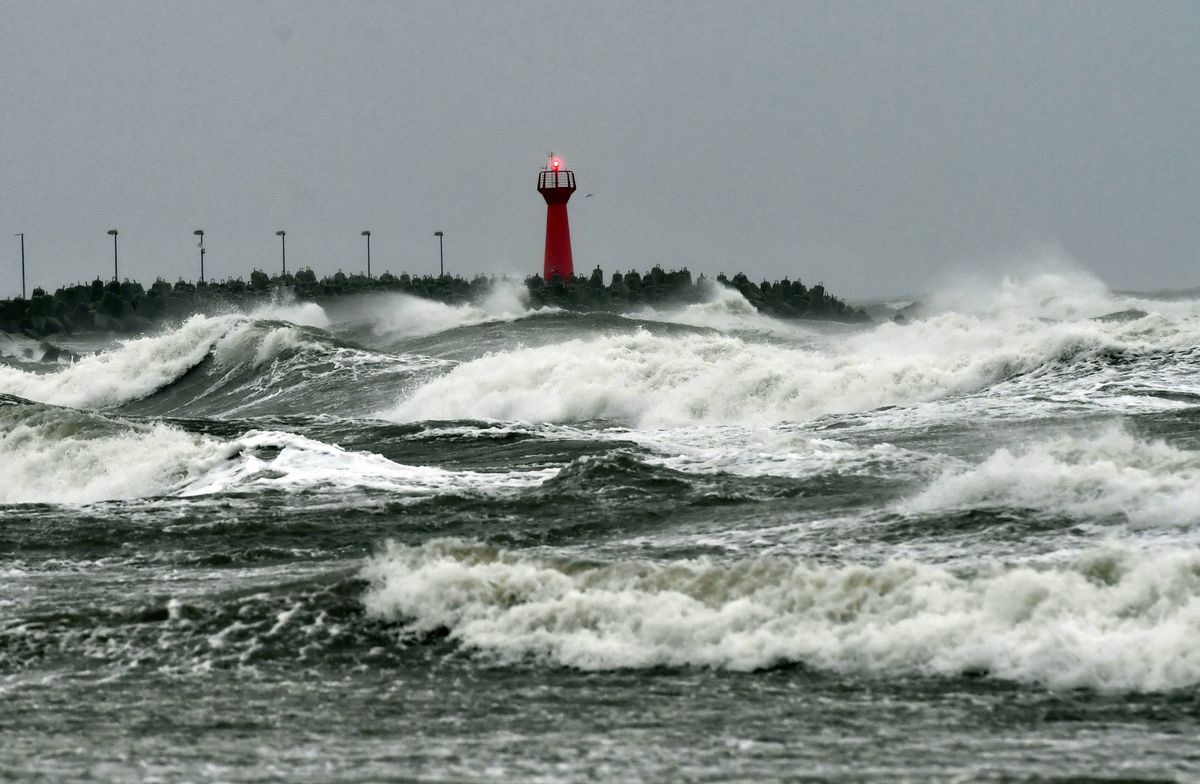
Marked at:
<point>557,261</point>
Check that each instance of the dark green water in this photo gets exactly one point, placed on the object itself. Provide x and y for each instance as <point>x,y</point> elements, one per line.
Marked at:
<point>410,542</point>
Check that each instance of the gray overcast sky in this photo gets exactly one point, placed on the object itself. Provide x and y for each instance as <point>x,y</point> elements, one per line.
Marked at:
<point>871,145</point>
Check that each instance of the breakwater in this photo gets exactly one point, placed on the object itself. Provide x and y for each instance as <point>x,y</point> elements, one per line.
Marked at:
<point>128,307</point>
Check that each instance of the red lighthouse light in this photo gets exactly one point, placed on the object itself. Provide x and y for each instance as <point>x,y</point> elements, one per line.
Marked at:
<point>556,186</point>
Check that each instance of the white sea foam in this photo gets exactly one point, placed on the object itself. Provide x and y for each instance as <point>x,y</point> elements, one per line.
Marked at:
<point>653,380</point>
<point>1109,473</point>
<point>54,455</point>
<point>1111,620</point>
<point>650,380</point>
<point>58,456</point>
<point>299,463</point>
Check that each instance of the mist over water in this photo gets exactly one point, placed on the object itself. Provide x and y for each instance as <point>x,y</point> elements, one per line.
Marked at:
<point>564,546</point>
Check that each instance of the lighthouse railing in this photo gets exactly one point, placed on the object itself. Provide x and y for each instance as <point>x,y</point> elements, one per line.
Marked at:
<point>548,179</point>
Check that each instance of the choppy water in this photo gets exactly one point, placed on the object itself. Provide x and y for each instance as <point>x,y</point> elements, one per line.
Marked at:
<point>401,539</point>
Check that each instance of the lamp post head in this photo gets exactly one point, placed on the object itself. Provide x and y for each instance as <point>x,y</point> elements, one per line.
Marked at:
<point>113,232</point>
<point>199,232</point>
<point>437,234</point>
<point>281,233</point>
<point>366,233</point>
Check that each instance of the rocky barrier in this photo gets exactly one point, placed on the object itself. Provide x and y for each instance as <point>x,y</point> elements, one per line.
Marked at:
<point>128,307</point>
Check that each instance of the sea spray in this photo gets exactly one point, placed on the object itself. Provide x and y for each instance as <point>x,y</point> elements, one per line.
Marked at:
<point>726,309</point>
<point>397,316</point>
<point>307,314</point>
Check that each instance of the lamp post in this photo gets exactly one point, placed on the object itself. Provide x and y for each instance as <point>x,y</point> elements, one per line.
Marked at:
<point>366,233</point>
<point>22,236</point>
<point>441,256</point>
<point>116,274</point>
<point>282,235</point>
<point>200,233</point>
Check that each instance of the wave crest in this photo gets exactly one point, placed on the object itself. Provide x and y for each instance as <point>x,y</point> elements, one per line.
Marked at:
<point>398,316</point>
<point>1090,623</point>
<point>58,455</point>
<point>652,380</point>
<point>1111,473</point>
<point>55,455</point>
<point>229,364</point>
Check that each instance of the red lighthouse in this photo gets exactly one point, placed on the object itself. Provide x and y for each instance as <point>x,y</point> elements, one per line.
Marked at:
<point>556,185</point>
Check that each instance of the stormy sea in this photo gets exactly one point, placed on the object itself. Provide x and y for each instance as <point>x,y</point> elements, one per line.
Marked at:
<point>393,539</point>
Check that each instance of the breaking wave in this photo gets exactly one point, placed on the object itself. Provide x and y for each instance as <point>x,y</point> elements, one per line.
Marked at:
<point>269,460</point>
<point>136,369</point>
<point>1089,623</point>
<point>725,310</point>
<point>58,455</point>
<point>228,364</point>
<point>305,314</point>
<point>650,380</point>
<point>1109,474</point>
<point>397,316</point>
